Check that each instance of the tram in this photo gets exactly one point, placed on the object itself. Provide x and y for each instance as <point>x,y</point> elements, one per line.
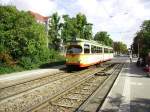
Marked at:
<point>84,53</point>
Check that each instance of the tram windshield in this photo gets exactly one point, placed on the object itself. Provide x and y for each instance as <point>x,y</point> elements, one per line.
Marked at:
<point>74,49</point>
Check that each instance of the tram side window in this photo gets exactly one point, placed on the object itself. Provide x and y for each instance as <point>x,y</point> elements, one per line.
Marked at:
<point>105,50</point>
<point>98,51</point>
<point>95,49</point>
<point>86,48</point>
<point>92,49</point>
<point>111,51</point>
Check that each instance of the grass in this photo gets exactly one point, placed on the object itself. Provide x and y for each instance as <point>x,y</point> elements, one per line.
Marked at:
<point>16,68</point>
<point>7,69</point>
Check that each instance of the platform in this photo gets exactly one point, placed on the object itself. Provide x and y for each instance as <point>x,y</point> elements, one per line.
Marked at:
<point>130,92</point>
<point>20,77</point>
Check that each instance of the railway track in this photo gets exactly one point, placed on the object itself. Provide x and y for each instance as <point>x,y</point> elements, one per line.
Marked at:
<point>73,98</point>
<point>27,95</point>
<point>95,101</point>
<point>18,88</point>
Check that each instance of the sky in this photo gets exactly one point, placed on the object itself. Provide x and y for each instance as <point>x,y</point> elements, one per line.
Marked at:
<point>120,18</point>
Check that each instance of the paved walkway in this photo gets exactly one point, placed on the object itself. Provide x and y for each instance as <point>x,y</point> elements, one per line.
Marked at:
<point>18,77</point>
<point>130,92</point>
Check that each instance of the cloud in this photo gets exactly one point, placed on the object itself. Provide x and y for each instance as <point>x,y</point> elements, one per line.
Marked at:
<point>120,18</point>
<point>44,7</point>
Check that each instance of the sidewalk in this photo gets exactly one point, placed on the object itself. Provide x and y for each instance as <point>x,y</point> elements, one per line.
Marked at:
<point>19,77</point>
<point>130,92</point>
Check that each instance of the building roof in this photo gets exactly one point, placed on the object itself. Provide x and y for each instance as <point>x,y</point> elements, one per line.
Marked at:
<point>39,17</point>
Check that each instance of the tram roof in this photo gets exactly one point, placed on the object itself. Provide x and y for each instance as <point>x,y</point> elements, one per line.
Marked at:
<point>88,41</point>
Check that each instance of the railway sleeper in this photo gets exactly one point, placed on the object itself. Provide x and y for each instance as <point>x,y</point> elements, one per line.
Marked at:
<point>74,103</point>
<point>75,96</point>
<point>91,85</point>
<point>94,102</point>
<point>56,108</point>
<point>82,93</point>
<point>102,74</point>
<point>69,103</point>
<point>108,72</point>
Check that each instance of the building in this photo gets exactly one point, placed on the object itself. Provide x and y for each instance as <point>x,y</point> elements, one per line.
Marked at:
<point>41,19</point>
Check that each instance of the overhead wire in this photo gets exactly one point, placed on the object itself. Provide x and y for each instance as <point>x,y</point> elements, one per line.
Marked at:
<point>123,13</point>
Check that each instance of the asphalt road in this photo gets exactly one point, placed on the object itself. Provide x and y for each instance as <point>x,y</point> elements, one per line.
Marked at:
<point>130,92</point>
<point>119,59</point>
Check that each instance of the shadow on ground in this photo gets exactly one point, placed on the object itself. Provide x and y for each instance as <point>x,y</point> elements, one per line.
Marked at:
<point>114,103</point>
<point>56,64</point>
<point>140,105</point>
<point>52,64</point>
<point>136,105</point>
<point>135,71</point>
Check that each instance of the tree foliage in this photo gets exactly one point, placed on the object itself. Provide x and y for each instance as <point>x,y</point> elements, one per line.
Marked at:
<point>120,48</point>
<point>142,39</point>
<point>71,27</point>
<point>76,27</point>
<point>21,38</point>
<point>23,41</point>
<point>103,38</point>
<point>54,30</point>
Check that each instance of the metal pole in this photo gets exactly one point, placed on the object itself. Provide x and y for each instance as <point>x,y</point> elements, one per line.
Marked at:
<point>46,28</point>
<point>138,50</point>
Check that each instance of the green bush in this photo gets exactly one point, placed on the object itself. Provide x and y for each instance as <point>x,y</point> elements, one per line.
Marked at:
<point>23,41</point>
<point>26,62</point>
<point>20,34</point>
<point>9,69</point>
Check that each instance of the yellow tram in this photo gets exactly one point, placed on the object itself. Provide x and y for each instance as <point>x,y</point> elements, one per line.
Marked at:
<point>84,53</point>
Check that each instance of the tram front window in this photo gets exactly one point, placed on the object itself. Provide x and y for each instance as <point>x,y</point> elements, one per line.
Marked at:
<point>74,49</point>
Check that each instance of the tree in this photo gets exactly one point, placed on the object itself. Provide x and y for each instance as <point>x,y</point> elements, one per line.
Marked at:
<point>20,36</point>
<point>103,38</point>
<point>76,27</point>
<point>54,31</point>
<point>68,31</point>
<point>87,32</point>
<point>138,43</point>
<point>141,41</point>
<point>84,29</point>
<point>120,47</point>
